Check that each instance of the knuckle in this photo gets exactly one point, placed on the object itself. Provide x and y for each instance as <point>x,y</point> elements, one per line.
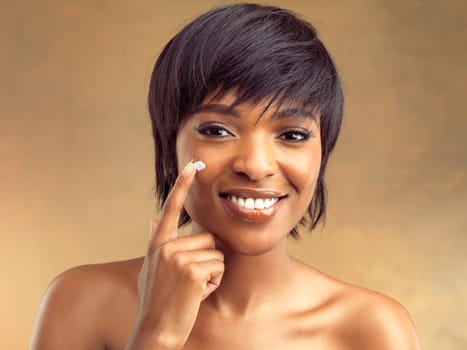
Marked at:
<point>219,266</point>
<point>171,205</point>
<point>221,256</point>
<point>179,261</point>
<point>165,252</point>
<point>181,181</point>
<point>210,240</point>
<point>193,272</point>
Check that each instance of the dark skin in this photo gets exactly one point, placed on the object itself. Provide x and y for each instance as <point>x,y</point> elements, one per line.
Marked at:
<point>230,284</point>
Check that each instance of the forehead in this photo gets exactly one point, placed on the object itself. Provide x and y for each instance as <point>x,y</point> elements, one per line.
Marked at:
<point>275,107</point>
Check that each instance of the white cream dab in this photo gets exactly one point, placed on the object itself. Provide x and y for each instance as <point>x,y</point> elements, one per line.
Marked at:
<point>199,165</point>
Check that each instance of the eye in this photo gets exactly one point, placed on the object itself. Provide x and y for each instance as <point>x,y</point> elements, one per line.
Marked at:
<point>213,130</point>
<point>295,136</point>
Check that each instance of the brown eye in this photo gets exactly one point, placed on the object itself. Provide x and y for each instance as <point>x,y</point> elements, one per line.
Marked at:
<point>216,131</point>
<point>295,136</point>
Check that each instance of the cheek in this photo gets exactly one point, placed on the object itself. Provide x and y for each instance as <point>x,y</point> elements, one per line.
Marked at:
<point>202,185</point>
<point>304,170</point>
<point>183,151</point>
<point>188,149</point>
<point>201,199</point>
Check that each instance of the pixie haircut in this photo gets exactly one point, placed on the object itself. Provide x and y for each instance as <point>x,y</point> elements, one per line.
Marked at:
<point>261,53</point>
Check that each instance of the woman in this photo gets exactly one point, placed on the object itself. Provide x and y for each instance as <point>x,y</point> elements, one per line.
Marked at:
<point>251,93</point>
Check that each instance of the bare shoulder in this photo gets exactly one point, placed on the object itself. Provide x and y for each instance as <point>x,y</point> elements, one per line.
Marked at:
<point>78,301</point>
<point>362,319</point>
<point>374,320</point>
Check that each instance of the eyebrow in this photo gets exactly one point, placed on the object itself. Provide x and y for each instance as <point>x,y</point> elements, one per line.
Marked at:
<point>231,111</point>
<point>294,113</point>
<point>217,108</point>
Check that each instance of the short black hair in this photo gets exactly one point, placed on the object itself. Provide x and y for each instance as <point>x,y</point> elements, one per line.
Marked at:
<point>260,53</point>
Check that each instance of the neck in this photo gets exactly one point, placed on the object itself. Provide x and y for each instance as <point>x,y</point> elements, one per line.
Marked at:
<point>252,284</point>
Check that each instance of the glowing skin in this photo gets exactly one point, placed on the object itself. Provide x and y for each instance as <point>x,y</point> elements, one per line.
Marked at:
<point>261,174</point>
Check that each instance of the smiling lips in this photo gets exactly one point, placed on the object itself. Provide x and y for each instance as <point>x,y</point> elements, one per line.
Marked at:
<point>252,205</point>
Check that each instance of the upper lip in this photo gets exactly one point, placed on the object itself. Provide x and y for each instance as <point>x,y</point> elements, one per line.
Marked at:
<point>253,193</point>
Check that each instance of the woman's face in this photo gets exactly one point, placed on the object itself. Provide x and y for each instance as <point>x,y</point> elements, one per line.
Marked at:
<point>260,175</point>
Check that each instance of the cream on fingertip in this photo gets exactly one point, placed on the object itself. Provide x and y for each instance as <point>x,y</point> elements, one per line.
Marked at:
<point>199,165</point>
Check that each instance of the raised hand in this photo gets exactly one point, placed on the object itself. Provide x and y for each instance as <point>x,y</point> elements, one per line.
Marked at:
<point>178,273</point>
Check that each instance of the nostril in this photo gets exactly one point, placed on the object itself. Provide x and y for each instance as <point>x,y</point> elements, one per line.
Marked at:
<point>254,171</point>
<point>254,174</point>
<point>255,159</point>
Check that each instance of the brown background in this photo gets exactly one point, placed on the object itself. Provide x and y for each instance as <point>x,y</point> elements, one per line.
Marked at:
<point>76,152</point>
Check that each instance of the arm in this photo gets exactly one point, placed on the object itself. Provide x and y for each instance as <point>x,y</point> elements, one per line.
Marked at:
<point>177,274</point>
<point>185,270</point>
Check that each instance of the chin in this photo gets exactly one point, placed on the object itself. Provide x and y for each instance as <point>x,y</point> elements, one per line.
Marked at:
<point>248,239</point>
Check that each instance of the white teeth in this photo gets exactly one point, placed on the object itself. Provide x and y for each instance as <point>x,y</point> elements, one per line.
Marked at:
<point>251,203</point>
<point>259,203</point>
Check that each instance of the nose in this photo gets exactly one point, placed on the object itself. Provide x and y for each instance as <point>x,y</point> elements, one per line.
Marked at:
<point>255,159</point>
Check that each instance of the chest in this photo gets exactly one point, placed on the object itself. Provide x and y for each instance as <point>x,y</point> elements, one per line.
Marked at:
<point>223,335</point>
<point>291,333</point>
<point>295,331</point>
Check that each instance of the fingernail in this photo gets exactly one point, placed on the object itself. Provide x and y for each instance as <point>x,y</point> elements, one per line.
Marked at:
<point>188,169</point>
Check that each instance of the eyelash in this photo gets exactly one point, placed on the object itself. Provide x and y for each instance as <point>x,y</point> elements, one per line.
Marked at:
<point>217,131</point>
<point>213,130</point>
<point>303,136</point>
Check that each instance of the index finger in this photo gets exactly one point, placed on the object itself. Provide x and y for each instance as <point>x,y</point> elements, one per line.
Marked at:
<point>173,205</point>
